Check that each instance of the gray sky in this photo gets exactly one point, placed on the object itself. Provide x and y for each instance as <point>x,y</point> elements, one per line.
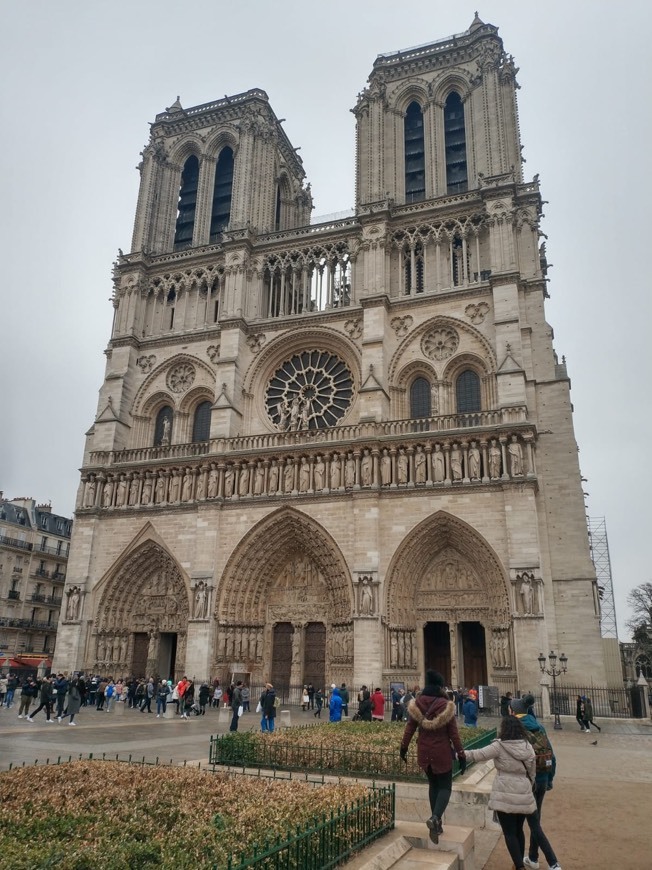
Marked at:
<point>80,81</point>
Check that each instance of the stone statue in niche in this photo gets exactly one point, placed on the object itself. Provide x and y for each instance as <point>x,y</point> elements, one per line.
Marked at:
<point>101,649</point>
<point>186,489</point>
<point>456,463</point>
<point>123,648</point>
<point>272,485</point>
<point>393,643</point>
<point>133,492</point>
<point>366,597</point>
<point>304,475</point>
<point>200,494</point>
<point>107,498</point>
<point>74,602</point>
<point>474,461</point>
<point>494,460</point>
<point>434,400</point>
<point>527,594</point>
<point>159,493</point>
<point>349,471</point>
<point>319,473</point>
<point>89,495</point>
<point>146,496</point>
<point>165,434</point>
<point>174,486</point>
<point>288,476</point>
<point>515,457</point>
<point>121,494</point>
<point>243,480</point>
<point>229,475</point>
<point>201,600</point>
<point>402,466</point>
<point>212,483</point>
<point>366,468</point>
<point>419,465</point>
<point>438,465</point>
<point>504,647</point>
<point>385,468</point>
<point>259,479</point>
<point>335,472</point>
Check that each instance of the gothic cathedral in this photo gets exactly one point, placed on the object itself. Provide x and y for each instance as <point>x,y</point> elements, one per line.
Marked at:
<point>338,451</point>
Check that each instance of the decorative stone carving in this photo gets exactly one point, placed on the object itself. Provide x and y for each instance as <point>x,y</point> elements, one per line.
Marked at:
<point>401,325</point>
<point>474,461</point>
<point>419,465</point>
<point>256,341</point>
<point>146,363</point>
<point>90,492</point>
<point>213,352</point>
<point>354,328</point>
<point>402,466</point>
<point>456,463</point>
<point>499,648</point>
<point>385,468</point>
<point>165,433</point>
<point>477,313</point>
<point>181,377</point>
<point>201,600</point>
<point>367,595</point>
<point>318,473</point>
<point>438,465</point>
<point>494,460</point>
<point>515,457</point>
<point>440,343</point>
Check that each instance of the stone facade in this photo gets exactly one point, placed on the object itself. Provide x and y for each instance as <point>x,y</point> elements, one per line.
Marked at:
<point>344,451</point>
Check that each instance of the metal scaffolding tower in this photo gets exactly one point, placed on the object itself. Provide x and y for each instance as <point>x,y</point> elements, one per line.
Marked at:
<point>600,555</point>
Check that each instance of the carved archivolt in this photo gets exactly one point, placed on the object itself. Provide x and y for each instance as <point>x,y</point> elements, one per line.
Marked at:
<point>445,565</point>
<point>440,343</point>
<point>286,547</point>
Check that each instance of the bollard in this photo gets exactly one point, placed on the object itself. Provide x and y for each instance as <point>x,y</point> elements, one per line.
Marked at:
<point>286,719</point>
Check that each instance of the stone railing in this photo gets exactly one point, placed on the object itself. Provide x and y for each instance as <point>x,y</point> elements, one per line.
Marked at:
<point>309,437</point>
<point>372,464</point>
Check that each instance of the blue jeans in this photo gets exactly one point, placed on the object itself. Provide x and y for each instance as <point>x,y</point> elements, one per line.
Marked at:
<point>161,704</point>
<point>267,723</point>
<point>9,697</point>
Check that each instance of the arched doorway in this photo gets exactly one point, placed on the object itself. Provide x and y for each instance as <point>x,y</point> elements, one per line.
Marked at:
<point>287,585</point>
<point>142,617</point>
<point>447,604</point>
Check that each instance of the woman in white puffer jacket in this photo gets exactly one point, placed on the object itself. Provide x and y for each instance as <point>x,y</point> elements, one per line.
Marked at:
<point>511,794</point>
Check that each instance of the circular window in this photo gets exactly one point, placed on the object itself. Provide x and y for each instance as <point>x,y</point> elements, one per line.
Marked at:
<point>311,390</point>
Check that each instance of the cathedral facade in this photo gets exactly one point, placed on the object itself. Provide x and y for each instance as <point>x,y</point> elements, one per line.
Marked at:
<point>336,451</point>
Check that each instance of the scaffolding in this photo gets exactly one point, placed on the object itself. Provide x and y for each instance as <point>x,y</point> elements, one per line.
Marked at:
<point>599,542</point>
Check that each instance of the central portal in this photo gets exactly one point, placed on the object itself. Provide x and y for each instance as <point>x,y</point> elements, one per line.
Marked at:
<point>437,649</point>
<point>314,662</point>
<point>474,654</point>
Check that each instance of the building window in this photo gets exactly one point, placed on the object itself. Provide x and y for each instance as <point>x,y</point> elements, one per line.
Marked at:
<point>221,210</point>
<point>44,542</point>
<point>277,216</point>
<point>467,392</point>
<point>415,163</point>
<point>455,144</point>
<point>187,204</point>
<point>201,427</point>
<point>163,427</point>
<point>414,262</point>
<point>420,402</point>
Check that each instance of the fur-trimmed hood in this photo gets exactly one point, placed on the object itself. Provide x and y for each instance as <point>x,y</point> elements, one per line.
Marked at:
<point>441,718</point>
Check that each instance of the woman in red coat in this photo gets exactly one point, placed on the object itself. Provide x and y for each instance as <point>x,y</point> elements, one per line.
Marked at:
<point>378,706</point>
<point>434,716</point>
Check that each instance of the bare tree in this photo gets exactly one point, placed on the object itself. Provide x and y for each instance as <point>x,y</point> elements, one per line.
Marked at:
<point>640,624</point>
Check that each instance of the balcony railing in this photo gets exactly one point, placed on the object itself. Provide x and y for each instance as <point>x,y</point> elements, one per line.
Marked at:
<point>30,624</point>
<point>58,577</point>
<point>14,542</point>
<point>37,596</point>
<point>51,551</point>
<point>13,595</point>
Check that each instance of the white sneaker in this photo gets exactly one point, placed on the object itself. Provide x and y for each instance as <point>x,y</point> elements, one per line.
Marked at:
<point>20,715</point>
<point>528,862</point>
<point>29,719</point>
<point>59,719</point>
<point>49,721</point>
<point>556,867</point>
<point>72,723</point>
<point>158,715</point>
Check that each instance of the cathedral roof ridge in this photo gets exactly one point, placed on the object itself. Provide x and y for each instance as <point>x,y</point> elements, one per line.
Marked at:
<point>226,100</point>
<point>436,45</point>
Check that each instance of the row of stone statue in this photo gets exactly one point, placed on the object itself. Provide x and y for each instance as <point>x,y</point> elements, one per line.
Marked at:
<point>112,650</point>
<point>428,464</point>
<point>499,648</point>
<point>242,644</point>
<point>402,649</point>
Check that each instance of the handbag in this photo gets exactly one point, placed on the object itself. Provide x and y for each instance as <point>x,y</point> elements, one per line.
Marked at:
<point>240,710</point>
<point>259,707</point>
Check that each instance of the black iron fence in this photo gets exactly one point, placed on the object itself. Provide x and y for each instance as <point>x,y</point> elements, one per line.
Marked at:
<point>253,751</point>
<point>607,703</point>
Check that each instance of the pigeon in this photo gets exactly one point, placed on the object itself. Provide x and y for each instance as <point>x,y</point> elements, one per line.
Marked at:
<point>594,743</point>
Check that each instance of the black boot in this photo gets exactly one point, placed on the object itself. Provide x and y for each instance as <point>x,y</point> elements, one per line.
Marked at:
<point>435,828</point>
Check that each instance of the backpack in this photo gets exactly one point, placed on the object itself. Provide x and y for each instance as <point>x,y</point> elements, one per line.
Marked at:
<point>542,750</point>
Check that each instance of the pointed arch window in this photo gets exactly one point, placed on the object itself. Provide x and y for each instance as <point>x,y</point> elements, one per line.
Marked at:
<point>420,400</point>
<point>163,427</point>
<point>201,426</point>
<point>187,204</point>
<point>415,155</point>
<point>414,270</point>
<point>277,215</point>
<point>467,392</point>
<point>455,144</point>
<point>222,191</point>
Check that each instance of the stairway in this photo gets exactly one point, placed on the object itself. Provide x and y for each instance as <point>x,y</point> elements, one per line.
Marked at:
<point>408,847</point>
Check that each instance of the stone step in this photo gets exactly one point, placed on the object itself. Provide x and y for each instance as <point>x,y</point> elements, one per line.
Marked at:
<point>395,851</point>
<point>455,839</point>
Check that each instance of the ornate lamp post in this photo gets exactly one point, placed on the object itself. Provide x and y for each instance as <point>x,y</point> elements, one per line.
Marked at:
<point>554,672</point>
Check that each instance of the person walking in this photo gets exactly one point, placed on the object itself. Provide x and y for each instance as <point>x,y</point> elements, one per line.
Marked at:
<point>204,697</point>
<point>335,705</point>
<point>148,696</point>
<point>236,703</point>
<point>162,693</point>
<point>99,695</point>
<point>188,699</point>
<point>504,703</point>
<point>45,698</point>
<point>588,714</point>
<point>319,703</point>
<point>433,714</point>
<point>378,705</point>
<point>344,694</point>
<point>580,714</point>
<point>109,695</point>
<point>365,706</point>
<point>12,685</point>
<point>246,698</point>
<point>470,712</point>
<point>311,696</point>
<point>73,702</point>
<point>268,708</point>
<point>28,692</point>
<point>512,798</point>
<point>397,704</point>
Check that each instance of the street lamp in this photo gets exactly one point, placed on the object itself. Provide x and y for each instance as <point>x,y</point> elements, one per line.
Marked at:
<point>554,672</point>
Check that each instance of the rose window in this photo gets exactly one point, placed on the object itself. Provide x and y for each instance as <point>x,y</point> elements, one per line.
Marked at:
<point>440,343</point>
<point>181,377</point>
<point>311,390</point>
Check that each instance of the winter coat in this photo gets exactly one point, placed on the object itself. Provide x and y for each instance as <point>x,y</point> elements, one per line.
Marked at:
<point>512,788</point>
<point>470,711</point>
<point>543,777</point>
<point>46,693</point>
<point>364,708</point>
<point>378,705</point>
<point>267,703</point>
<point>588,710</point>
<point>335,706</point>
<point>504,705</point>
<point>434,717</point>
<point>204,693</point>
<point>74,699</point>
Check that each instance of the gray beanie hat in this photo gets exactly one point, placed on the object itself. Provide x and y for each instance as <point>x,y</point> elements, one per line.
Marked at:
<point>518,706</point>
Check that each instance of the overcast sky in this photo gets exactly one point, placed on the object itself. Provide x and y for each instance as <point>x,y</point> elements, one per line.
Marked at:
<point>80,81</point>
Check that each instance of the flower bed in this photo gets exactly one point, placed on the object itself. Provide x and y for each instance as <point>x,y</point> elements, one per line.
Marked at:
<point>92,814</point>
<point>355,748</point>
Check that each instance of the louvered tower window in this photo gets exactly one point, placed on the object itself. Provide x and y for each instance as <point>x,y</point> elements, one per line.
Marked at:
<point>420,404</point>
<point>467,392</point>
<point>221,210</point>
<point>455,142</point>
<point>415,165</point>
<point>277,216</point>
<point>201,427</point>
<point>187,205</point>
